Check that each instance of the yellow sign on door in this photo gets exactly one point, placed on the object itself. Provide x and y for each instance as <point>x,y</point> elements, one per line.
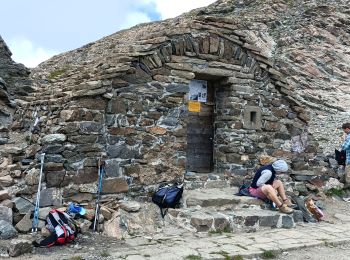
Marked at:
<point>194,106</point>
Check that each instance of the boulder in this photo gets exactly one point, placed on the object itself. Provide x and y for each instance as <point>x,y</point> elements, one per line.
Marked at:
<point>19,247</point>
<point>7,231</point>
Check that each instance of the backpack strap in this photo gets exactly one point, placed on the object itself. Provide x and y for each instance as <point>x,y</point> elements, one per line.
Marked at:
<point>68,224</point>
<point>163,213</point>
<point>60,230</point>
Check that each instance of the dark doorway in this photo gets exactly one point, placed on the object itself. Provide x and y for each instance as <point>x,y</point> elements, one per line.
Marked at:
<point>200,135</point>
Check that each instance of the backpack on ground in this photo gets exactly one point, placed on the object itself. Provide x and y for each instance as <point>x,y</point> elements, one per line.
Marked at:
<point>167,196</point>
<point>61,227</point>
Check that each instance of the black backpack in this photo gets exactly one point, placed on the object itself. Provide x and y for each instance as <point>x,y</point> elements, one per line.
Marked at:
<point>243,190</point>
<point>340,157</point>
<point>167,196</point>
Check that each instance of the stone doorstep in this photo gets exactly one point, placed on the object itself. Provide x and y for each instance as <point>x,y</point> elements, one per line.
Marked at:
<point>220,197</point>
<point>217,210</point>
<point>211,220</point>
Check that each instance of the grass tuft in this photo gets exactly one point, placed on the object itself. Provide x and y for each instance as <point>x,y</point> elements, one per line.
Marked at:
<point>269,254</point>
<point>335,192</point>
<point>105,254</point>
<point>193,257</point>
<point>57,73</point>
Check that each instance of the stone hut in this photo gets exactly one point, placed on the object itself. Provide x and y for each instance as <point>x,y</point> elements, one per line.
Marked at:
<point>198,97</point>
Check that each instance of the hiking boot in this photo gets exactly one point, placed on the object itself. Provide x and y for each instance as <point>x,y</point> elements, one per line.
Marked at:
<point>288,202</point>
<point>285,209</point>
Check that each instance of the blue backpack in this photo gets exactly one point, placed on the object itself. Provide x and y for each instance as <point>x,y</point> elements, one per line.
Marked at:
<point>167,196</point>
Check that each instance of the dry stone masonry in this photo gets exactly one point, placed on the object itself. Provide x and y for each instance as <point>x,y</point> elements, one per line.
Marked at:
<point>135,112</point>
<point>270,72</point>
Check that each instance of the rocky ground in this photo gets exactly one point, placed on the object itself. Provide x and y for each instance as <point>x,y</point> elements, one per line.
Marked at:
<point>340,252</point>
<point>96,246</point>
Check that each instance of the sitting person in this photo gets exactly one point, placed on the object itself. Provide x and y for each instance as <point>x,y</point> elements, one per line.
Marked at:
<point>265,186</point>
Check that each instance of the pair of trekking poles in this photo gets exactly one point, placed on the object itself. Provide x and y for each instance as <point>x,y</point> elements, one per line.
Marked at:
<point>101,172</point>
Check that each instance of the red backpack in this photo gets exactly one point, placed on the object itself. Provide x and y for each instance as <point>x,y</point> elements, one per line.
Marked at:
<point>62,228</point>
<point>62,224</point>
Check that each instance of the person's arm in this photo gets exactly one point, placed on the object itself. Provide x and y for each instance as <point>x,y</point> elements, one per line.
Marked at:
<point>346,144</point>
<point>265,176</point>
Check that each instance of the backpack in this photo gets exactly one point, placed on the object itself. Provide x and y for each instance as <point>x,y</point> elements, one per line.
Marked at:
<point>167,196</point>
<point>62,228</point>
<point>340,157</point>
<point>243,190</point>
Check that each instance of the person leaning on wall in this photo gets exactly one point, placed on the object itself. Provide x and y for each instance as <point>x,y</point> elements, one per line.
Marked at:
<point>346,147</point>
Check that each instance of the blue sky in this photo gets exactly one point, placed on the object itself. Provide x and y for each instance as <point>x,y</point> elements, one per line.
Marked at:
<point>35,30</point>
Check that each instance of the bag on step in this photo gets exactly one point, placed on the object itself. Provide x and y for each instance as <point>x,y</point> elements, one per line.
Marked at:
<point>167,196</point>
<point>62,228</point>
<point>243,190</point>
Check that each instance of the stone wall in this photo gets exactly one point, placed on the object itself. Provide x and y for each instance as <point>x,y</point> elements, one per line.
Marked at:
<point>133,112</point>
<point>124,98</point>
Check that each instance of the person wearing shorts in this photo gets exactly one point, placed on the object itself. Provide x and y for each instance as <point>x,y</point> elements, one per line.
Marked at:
<point>266,186</point>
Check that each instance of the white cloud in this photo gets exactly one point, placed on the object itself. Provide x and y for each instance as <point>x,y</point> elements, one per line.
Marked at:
<point>134,18</point>
<point>170,9</point>
<point>26,52</point>
<point>31,53</point>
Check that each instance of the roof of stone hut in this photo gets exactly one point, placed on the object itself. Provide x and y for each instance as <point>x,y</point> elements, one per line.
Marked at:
<point>308,41</point>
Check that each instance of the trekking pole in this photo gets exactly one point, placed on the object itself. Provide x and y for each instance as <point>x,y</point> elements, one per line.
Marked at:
<point>37,202</point>
<point>99,189</point>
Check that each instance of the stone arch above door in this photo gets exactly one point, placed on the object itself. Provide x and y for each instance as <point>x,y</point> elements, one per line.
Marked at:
<point>226,56</point>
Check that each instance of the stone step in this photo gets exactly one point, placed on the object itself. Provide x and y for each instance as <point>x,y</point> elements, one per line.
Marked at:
<point>205,182</point>
<point>220,210</point>
<point>224,198</point>
<point>209,197</point>
<point>250,219</point>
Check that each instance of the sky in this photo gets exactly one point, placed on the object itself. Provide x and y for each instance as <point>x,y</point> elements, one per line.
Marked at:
<point>35,30</point>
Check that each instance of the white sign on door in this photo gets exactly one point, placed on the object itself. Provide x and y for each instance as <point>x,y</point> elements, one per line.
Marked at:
<point>198,90</point>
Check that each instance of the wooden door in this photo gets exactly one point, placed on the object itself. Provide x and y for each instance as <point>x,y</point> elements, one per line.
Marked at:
<point>200,135</point>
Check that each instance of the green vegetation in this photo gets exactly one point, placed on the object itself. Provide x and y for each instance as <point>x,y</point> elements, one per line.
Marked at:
<point>105,254</point>
<point>193,257</point>
<point>57,73</point>
<point>237,257</point>
<point>28,139</point>
<point>269,254</point>
<point>245,248</point>
<point>76,258</point>
<point>335,192</point>
<point>223,253</point>
<point>225,230</point>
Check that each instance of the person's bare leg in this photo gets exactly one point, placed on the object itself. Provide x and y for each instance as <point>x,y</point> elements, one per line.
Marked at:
<point>270,193</point>
<point>278,185</point>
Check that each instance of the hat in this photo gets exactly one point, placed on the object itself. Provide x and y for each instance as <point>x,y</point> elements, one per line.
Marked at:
<point>280,166</point>
<point>75,209</point>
